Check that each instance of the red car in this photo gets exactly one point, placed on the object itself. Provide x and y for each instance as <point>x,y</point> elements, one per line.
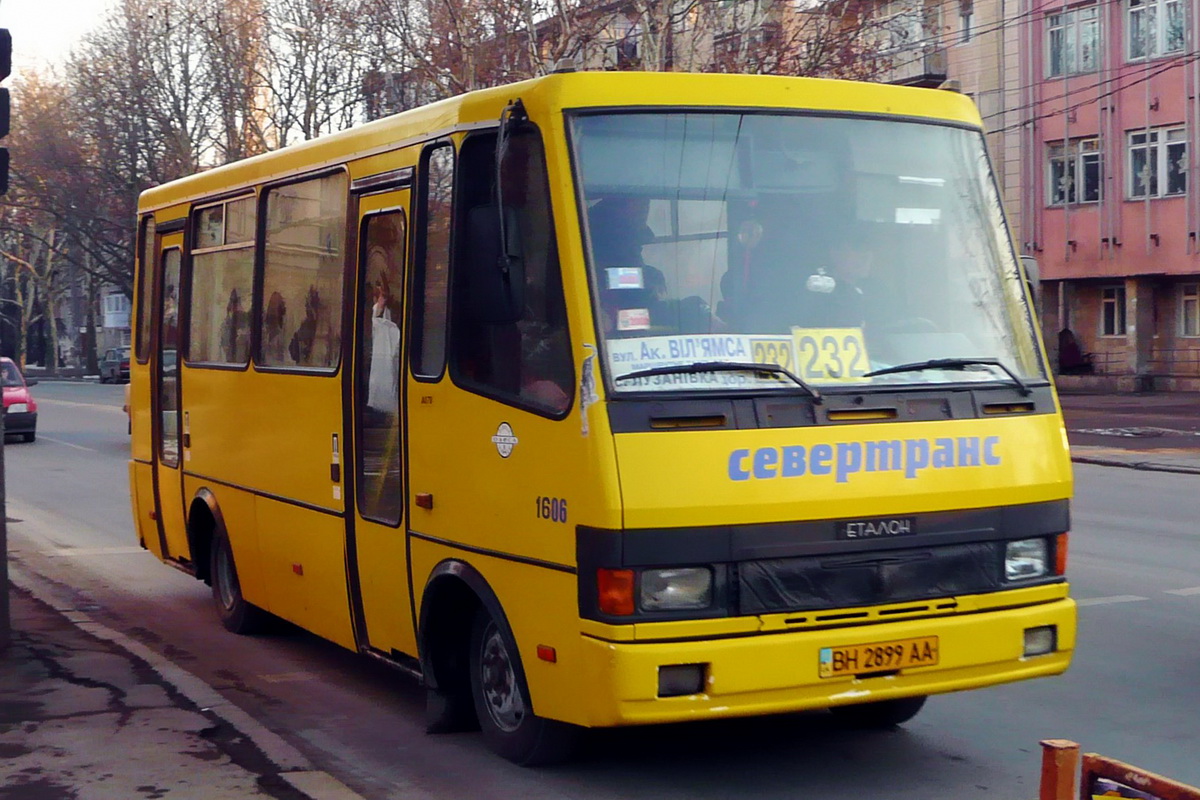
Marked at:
<point>20,409</point>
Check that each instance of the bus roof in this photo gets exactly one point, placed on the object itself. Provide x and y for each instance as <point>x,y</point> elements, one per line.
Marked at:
<point>557,92</point>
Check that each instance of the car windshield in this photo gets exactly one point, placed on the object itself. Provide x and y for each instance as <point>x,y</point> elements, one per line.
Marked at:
<point>830,246</point>
<point>11,375</point>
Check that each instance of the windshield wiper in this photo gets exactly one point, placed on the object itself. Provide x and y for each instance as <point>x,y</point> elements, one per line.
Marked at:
<point>723,366</point>
<point>954,363</point>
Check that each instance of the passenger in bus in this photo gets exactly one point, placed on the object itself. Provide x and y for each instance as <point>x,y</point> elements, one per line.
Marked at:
<point>234,335</point>
<point>273,320</point>
<point>838,293</point>
<point>383,383</point>
<point>305,337</point>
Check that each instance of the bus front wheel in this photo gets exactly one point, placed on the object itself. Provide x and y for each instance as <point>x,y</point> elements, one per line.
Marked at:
<point>506,716</point>
<point>237,615</point>
<point>880,714</point>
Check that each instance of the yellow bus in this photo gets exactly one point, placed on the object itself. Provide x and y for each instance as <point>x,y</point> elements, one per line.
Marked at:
<point>608,399</point>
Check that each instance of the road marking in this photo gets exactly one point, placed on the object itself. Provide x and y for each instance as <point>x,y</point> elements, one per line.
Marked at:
<point>288,677</point>
<point>1104,601</point>
<point>98,551</point>
<point>100,406</point>
<point>320,786</point>
<point>1184,592</point>
<point>69,444</point>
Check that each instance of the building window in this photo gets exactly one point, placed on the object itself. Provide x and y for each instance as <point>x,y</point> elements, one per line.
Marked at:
<point>1074,173</point>
<point>1189,309</point>
<point>1157,163</point>
<point>1153,28</point>
<point>1073,42</point>
<point>966,16</point>
<point>1112,312</point>
<point>902,24</point>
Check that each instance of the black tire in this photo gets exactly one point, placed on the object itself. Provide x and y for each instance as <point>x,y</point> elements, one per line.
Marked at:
<point>506,717</point>
<point>29,436</point>
<point>237,615</point>
<point>880,714</point>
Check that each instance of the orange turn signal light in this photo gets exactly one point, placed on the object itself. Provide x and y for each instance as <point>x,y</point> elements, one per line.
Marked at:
<point>615,589</point>
<point>1060,554</point>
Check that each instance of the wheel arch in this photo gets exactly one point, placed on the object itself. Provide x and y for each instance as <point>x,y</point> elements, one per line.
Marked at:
<point>204,520</point>
<point>453,593</point>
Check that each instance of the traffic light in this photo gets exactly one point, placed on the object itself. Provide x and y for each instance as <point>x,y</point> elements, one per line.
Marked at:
<point>5,70</point>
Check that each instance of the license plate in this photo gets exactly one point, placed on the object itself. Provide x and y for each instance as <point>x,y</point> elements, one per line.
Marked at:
<point>857,659</point>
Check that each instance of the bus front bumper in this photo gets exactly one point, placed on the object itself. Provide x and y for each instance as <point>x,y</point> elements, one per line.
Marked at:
<point>769,673</point>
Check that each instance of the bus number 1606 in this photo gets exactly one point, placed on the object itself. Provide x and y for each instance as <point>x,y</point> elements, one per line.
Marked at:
<point>552,508</point>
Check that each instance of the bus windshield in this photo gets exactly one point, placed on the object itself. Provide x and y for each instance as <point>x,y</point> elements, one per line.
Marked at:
<point>830,246</point>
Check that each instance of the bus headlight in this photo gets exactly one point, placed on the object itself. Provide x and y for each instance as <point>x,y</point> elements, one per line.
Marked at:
<point>1026,558</point>
<point>676,589</point>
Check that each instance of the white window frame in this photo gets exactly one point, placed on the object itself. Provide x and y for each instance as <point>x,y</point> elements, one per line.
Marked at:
<point>1165,159</point>
<point>966,20</point>
<point>1113,297</point>
<point>1075,160</point>
<point>903,25</point>
<point>1160,37</point>
<point>1079,38</point>
<point>1189,310</point>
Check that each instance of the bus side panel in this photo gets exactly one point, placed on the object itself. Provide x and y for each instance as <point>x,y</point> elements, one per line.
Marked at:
<point>141,448</point>
<point>272,433</point>
<point>541,606</point>
<point>237,512</point>
<point>304,567</point>
<point>141,483</point>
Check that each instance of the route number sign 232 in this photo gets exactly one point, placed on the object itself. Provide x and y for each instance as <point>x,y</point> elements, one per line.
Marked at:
<point>816,354</point>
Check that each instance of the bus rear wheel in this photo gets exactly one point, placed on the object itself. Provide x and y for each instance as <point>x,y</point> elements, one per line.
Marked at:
<point>506,716</point>
<point>237,615</point>
<point>880,714</point>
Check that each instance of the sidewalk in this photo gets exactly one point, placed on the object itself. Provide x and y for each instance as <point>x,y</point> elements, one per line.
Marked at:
<point>88,714</point>
<point>1156,432</point>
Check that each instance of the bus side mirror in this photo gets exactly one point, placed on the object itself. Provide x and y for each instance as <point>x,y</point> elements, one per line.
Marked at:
<point>495,283</point>
<point>1033,279</point>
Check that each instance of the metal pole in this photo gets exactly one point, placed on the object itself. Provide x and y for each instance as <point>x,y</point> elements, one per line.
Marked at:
<point>5,624</point>
<point>1060,758</point>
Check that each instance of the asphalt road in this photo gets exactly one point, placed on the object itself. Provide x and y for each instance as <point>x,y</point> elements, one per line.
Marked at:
<point>1131,693</point>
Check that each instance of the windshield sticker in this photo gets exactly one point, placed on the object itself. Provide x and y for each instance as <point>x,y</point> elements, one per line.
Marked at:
<point>625,278</point>
<point>827,355</point>
<point>841,460</point>
<point>818,355</point>
<point>633,319</point>
<point>588,396</point>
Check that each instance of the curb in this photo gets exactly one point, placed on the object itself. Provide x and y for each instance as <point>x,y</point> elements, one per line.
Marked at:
<point>291,765</point>
<point>1145,466</point>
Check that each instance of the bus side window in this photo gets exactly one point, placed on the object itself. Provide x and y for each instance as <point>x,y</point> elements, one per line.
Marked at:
<point>432,262</point>
<point>526,362</point>
<point>302,281</point>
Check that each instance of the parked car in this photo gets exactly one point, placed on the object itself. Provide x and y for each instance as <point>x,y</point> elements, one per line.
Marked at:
<point>20,410</point>
<point>114,367</point>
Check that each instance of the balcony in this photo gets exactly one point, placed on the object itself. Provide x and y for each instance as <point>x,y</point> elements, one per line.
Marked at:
<point>924,67</point>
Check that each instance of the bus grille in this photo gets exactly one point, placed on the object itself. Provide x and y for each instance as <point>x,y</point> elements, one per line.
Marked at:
<point>841,581</point>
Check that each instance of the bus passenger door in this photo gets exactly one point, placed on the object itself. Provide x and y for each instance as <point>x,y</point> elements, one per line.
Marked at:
<point>377,540</point>
<point>169,446</point>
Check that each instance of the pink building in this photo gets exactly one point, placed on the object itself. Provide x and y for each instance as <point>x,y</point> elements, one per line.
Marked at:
<point>1109,119</point>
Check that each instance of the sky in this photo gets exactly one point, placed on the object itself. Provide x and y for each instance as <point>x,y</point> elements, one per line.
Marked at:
<point>44,31</point>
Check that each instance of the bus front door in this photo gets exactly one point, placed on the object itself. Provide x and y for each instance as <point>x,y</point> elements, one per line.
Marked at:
<point>169,444</point>
<point>376,526</point>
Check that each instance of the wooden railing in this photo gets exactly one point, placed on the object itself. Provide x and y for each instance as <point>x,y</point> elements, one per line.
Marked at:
<point>1102,777</point>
